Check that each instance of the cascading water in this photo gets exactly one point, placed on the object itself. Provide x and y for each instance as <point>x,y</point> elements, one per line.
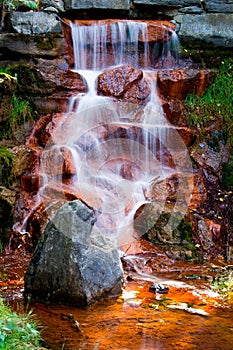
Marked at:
<point>111,174</point>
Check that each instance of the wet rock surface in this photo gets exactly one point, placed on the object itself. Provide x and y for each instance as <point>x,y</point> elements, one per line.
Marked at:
<point>50,84</point>
<point>178,83</point>
<point>83,267</point>
<point>125,83</point>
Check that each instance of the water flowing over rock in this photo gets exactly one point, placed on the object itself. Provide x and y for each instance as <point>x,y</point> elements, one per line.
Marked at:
<point>107,43</point>
<point>72,263</point>
<point>112,146</point>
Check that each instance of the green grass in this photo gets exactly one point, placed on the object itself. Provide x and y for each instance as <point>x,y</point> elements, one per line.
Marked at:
<point>18,331</point>
<point>22,112</point>
<point>214,108</point>
<point>5,156</point>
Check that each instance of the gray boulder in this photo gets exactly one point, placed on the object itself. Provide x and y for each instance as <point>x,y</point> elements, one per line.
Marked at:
<point>43,45</point>
<point>219,5</point>
<point>212,28</point>
<point>97,4</point>
<point>73,262</point>
<point>34,22</point>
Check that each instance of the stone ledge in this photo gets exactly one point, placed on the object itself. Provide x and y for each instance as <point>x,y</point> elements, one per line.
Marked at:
<point>214,28</point>
<point>97,4</point>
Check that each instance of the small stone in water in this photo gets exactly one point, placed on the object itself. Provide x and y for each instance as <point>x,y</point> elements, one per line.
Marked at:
<point>158,288</point>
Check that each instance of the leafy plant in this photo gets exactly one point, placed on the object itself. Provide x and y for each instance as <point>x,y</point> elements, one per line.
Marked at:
<point>22,112</point>
<point>223,282</point>
<point>6,156</point>
<point>18,331</point>
<point>14,4</point>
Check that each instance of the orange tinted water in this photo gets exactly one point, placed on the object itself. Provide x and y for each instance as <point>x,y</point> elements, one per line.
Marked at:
<point>138,319</point>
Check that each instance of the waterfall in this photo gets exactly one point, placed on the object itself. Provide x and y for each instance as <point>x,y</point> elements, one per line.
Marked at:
<point>111,174</point>
<point>121,39</point>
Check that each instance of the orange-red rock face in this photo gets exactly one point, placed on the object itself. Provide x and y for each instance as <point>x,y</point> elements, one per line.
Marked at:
<point>125,82</point>
<point>178,83</point>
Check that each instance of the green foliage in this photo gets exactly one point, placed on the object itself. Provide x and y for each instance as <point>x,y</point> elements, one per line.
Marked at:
<point>15,4</point>
<point>5,156</point>
<point>185,229</point>
<point>4,70</point>
<point>223,282</point>
<point>214,107</point>
<point>17,331</point>
<point>22,112</point>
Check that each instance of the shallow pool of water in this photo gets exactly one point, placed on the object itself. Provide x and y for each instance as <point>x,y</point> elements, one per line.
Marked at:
<point>190,316</point>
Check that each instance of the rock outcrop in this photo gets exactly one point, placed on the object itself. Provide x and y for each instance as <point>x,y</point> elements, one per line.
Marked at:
<point>34,23</point>
<point>210,28</point>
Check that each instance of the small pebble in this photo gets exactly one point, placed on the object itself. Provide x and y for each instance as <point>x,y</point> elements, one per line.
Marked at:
<point>158,288</point>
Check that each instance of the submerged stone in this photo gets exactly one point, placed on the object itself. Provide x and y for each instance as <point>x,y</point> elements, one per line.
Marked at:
<point>73,263</point>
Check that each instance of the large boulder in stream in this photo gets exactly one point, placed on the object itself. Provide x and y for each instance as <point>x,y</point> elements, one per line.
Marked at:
<point>73,262</point>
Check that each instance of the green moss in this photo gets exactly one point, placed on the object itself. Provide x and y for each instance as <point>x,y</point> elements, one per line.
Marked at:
<point>26,76</point>
<point>185,229</point>
<point>174,236</point>
<point>47,42</point>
